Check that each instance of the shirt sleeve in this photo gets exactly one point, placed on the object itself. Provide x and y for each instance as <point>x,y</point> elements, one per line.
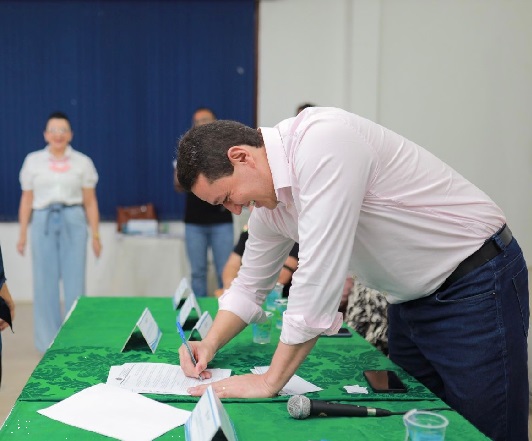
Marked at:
<point>90,175</point>
<point>333,165</point>
<point>26,175</point>
<point>265,252</point>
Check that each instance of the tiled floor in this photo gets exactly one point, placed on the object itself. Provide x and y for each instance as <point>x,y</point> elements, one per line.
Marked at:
<point>19,358</point>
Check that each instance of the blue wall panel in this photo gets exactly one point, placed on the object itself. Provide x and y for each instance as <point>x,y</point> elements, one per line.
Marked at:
<point>129,75</point>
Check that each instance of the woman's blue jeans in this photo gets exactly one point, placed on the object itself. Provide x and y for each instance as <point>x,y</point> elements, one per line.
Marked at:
<point>59,247</point>
<point>468,344</point>
<point>199,238</point>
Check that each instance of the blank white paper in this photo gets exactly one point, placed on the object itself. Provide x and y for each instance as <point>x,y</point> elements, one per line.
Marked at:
<point>118,413</point>
<point>295,386</point>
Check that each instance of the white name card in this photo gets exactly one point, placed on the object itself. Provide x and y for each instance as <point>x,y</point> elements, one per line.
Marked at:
<point>202,326</point>
<point>190,303</point>
<point>182,292</point>
<point>151,334</point>
<point>209,420</point>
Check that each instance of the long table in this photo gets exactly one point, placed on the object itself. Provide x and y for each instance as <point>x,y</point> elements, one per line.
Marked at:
<point>91,339</point>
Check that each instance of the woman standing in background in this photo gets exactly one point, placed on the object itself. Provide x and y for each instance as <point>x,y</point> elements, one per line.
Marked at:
<point>58,187</point>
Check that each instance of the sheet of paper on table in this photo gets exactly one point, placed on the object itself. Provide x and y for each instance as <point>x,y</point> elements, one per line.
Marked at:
<point>158,378</point>
<point>356,389</point>
<point>118,413</point>
<point>295,386</point>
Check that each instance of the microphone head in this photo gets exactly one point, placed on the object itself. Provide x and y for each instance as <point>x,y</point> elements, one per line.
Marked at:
<point>298,407</point>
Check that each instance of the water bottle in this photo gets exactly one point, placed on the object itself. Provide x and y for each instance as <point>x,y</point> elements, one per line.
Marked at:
<point>275,293</point>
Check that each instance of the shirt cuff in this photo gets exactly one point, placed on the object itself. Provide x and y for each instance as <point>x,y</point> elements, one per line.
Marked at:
<point>244,308</point>
<point>296,330</point>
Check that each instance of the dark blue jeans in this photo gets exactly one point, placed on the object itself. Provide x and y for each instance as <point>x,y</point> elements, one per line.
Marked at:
<point>468,344</point>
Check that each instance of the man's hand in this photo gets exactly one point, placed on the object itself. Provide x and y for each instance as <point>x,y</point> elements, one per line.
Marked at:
<point>225,326</point>
<point>203,353</point>
<point>238,386</point>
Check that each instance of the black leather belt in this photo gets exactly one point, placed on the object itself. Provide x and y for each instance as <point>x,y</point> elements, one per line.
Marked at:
<point>485,253</point>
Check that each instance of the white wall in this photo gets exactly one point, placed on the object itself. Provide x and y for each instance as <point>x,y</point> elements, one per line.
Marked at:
<point>453,76</point>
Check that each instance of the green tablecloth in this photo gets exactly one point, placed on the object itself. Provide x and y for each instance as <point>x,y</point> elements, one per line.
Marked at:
<point>90,342</point>
<point>91,339</point>
<point>252,421</point>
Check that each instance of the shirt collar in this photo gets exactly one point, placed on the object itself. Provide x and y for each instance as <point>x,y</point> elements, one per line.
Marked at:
<point>68,150</point>
<point>277,159</point>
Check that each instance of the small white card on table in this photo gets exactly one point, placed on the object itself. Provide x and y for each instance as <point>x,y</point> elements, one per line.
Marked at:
<point>182,292</point>
<point>190,303</point>
<point>209,420</point>
<point>202,326</point>
<point>151,334</point>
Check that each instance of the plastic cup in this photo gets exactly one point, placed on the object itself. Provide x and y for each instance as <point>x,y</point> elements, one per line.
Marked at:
<point>425,426</point>
<point>280,308</point>
<point>262,331</point>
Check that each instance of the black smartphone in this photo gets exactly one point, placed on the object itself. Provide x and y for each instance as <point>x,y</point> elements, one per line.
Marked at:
<point>384,381</point>
<point>342,332</point>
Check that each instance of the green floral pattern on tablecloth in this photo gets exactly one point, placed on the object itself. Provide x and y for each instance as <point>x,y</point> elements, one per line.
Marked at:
<point>91,341</point>
<point>63,372</point>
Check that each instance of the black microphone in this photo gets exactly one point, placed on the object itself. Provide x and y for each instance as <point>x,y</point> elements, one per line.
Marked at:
<point>301,407</point>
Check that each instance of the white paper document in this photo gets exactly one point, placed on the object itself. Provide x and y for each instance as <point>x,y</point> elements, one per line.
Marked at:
<point>117,413</point>
<point>356,389</point>
<point>295,386</point>
<point>158,378</point>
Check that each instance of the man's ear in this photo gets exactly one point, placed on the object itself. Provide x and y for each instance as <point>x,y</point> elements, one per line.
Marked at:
<point>239,155</point>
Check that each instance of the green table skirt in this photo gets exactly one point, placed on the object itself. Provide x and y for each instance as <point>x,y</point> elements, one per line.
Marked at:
<point>91,340</point>
<point>253,422</point>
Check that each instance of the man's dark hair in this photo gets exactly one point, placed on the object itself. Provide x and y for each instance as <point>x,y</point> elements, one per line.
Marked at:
<point>203,150</point>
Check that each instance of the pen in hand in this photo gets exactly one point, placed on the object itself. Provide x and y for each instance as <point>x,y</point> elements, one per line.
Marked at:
<point>183,338</point>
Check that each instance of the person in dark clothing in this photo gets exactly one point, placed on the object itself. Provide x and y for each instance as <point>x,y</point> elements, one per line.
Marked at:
<point>235,261</point>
